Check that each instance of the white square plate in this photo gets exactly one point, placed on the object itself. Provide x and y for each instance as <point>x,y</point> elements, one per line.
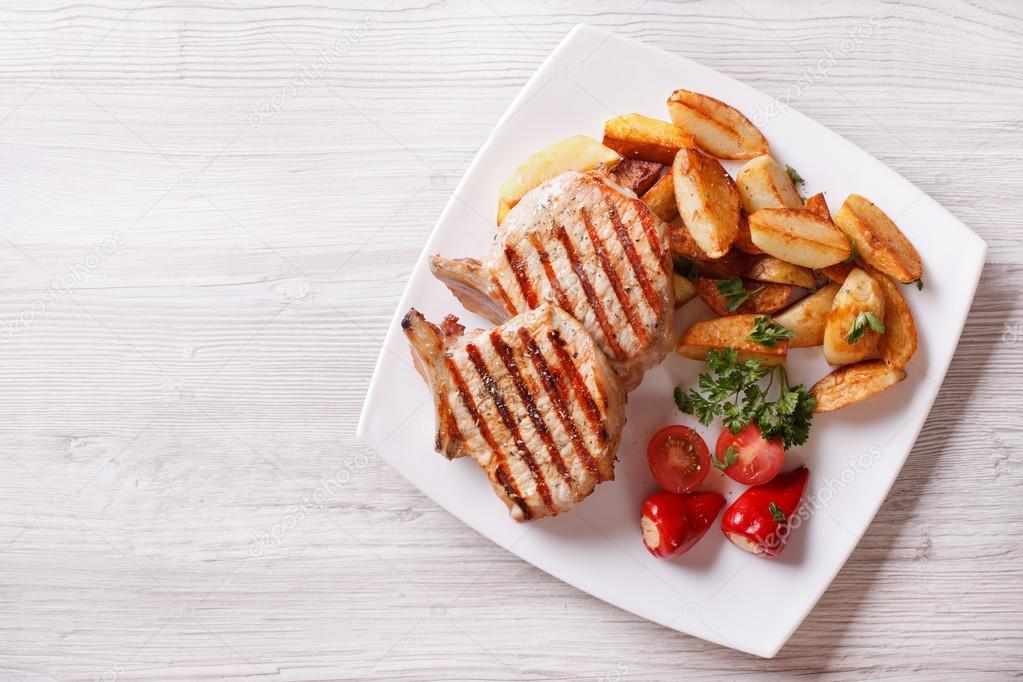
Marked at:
<point>716,591</point>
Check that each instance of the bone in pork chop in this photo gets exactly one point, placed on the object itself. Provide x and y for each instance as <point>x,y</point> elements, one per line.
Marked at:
<point>582,242</point>
<point>534,401</point>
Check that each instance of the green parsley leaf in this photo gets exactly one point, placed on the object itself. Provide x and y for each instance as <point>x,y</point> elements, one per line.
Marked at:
<point>919,282</point>
<point>853,255</point>
<point>794,175</point>
<point>734,292</point>
<point>768,333</point>
<point>860,324</point>
<point>686,268</point>
<point>731,391</point>
<point>729,457</point>
<point>776,512</point>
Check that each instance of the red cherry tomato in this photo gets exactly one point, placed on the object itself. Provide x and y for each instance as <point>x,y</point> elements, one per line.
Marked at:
<point>756,460</point>
<point>679,459</point>
<point>672,524</point>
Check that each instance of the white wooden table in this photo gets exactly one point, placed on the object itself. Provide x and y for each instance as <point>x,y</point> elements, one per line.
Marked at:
<point>208,211</point>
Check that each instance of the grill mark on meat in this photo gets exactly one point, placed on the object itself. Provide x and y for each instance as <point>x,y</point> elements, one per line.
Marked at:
<point>507,356</point>
<point>552,276</point>
<point>490,384</point>
<point>500,471</point>
<point>591,295</point>
<point>508,305</point>
<point>582,392</point>
<point>633,256</point>
<point>518,267</point>
<point>614,279</point>
<point>552,385</point>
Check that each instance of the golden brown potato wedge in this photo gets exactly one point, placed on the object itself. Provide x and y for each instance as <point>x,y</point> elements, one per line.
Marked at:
<point>707,201</point>
<point>763,298</point>
<point>660,198</point>
<point>838,272</point>
<point>859,294</point>
<point>685,289</point>
<point>728,332</point>
<point>799,237</point>
<point>718,128</point>
<point>807,318</point>
<point>579,153</point>
<point>735,263</point>
<point>879,242</point>
<point>898,343</point>
<point>819,205</point>
<point>682,242</point>
<point>851,384</point>
<point>770,269</point>
<point>763,183</point>
<point>636,175</point>
<point>641,137</point>
<point>743,240</point>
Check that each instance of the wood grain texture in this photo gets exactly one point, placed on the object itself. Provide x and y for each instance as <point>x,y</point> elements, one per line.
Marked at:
<point>184,495</point>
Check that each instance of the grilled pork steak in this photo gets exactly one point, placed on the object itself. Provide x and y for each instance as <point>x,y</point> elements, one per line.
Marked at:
<point>584,243</point>
<point>534,401</point>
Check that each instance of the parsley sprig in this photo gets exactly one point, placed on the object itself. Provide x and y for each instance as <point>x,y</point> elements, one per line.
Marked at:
<point>729,457</point>
<point>776,512</point>
<point>732,391</point>
<point>768,333</point>
<point>794,175</point>
<point>860,324</point>
<point>734,291</point>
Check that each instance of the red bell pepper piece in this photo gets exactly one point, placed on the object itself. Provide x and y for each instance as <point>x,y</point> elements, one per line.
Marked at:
<point>759,519</point>
<point>672,523</point>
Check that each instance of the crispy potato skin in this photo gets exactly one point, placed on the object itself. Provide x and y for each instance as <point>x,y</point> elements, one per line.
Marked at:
<point>764,298</point>
<point>685,290</point>
<point>579,153</point>
<point>838,272</point>
<point>683,243</point>
<point>853,383</point>
<point>808,317</point>
<point>640,137</point>
<point>660,198</point>
<point>707,201</point>
<point>879,242</point>
<point>770,269</point>
<point>798,236</point>
<point>735,263</point>
<point>744,240</point>
<point>635,175</point>
<point>898,343</point>
<point>859,293</point>
<point>819,205</point>
<point>763,183</point>
<point>719,129</point>
<point>728,332</point>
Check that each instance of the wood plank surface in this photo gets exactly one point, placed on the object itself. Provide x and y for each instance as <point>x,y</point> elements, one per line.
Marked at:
<point>208,211</point>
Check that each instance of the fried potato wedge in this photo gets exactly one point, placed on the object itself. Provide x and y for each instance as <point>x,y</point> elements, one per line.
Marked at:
<point>819,205</point>
<point>735,263</point>
<point>579,153</point>
<point>898,343</point>
<point>807,318</point>
<point>682,242</point>
<point>763,298</point>
<point>635,175</point>
<point>707,201</point>
<point>719,129</point>
<point>860,293</point>
<point>770,269</point>
<point>878,241</point>
<point>744,240</point>
<point>838,272</point>
<point>728,332</point>
<point>685,289</point>
<point>799,237</point>
<point>640,137</point>
<point>660,198</point>
<point>848,385</point>
<point>763,183</point>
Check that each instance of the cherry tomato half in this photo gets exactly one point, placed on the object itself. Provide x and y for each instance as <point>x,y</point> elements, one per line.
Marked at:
<point>757,460</point>
<point>679,459</point>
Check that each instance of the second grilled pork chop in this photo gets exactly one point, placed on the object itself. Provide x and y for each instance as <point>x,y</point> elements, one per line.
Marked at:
<point>584,243</point>
<point>534,401</point>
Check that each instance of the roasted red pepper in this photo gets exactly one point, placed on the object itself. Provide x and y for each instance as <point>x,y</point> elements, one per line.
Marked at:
<point>759,519</point>
<point>672,523</point>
